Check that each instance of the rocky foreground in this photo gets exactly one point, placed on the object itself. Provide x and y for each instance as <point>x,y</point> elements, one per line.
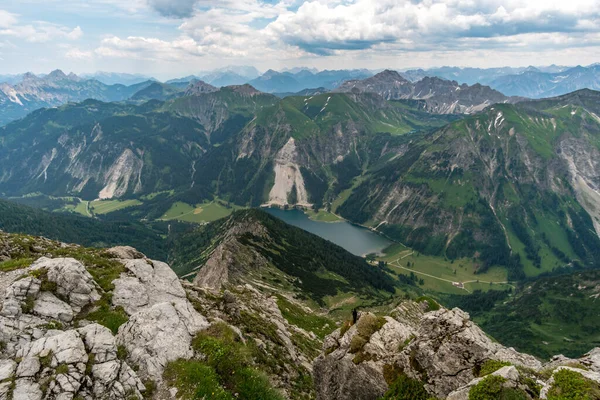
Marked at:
<point>444,355</point>
<point>89,324</point>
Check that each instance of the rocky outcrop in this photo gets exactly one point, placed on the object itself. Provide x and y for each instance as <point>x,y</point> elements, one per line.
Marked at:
<point>110,328</point>
<point>52,350</point>
<point>159,334</point>
<point>442,349</point>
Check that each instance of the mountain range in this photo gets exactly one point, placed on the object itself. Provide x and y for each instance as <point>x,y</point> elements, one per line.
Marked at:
<point>531,82</point>
<point>511,184</point>
<point>438,95</point>
<point>55,89</point>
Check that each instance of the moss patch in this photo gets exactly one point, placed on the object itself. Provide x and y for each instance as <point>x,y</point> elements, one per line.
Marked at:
<point>491,366</point>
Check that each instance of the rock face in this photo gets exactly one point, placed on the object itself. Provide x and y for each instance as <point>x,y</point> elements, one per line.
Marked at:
<point>442,349</point>
<point>160,334</point>
<point>50,350</point>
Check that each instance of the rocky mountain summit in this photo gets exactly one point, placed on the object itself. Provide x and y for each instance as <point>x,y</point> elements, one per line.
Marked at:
<point>438,95</point>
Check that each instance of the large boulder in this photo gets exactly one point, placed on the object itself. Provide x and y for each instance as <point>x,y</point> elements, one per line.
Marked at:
<point>159,334</point>
<point>72,280</point>
<point>449,348</point>
<point>147,283</point>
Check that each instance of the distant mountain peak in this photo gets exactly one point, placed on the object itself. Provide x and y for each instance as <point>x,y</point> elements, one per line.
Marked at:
<point>199,87</point>
<point>29,76</point>
<point>57,74</point>
<point>244,89</point>
<point>389,74</point>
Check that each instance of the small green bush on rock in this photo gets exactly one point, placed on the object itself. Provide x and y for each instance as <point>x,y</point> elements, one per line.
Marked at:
<point>571,385</point>
<point>491,388</point>
<point>491,366</point>
<point>405,388</point>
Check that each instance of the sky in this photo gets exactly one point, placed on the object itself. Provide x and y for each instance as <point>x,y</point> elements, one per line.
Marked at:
<point>170,38</point>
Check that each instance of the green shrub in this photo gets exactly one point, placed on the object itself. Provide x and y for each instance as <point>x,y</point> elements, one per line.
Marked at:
<point>195,380</point>
<point>122,352</point>
<point>345,326</point>
<point>252,384</point>
<point>13,264</point>
<point>28,304</point>
<point>227,368</point>
<point>57,325</point>
<point>150,386</point>
<point>366,326</point>
<point>571,385</point>
<point>405,388</point>
<point>62,369</point>
<point>105,315</point>
<point>491,388</point>
<point>46,360</point>
<point>491,366</point>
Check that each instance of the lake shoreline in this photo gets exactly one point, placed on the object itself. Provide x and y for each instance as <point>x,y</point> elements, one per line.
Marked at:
<point>355,238</point>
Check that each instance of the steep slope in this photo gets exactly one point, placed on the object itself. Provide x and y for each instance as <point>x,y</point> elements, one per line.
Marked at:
<point>108,150</point>
<point>56,89</point>
<point>251,246</point>
<point>305,150</point>
<point>222,112</point>
<point>439,96</point>
<point>539,84</point>
<point>99,150</point>
<point>514,180</point>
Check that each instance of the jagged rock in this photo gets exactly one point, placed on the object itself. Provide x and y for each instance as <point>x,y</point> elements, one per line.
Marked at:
<point>160,334</point>
<point>28,367</point>
<point>73,281</point>
<point>23,288</point>
<point>131,294</point>
<point>7,369</point>
<point>509,373</point>
<point>440,348</point>
<point>153,282</point>
<point>4,390</point>
<point>65,348</point>
<point>49,306</point>
<point>341,379</point>
<point>592,359</point>
<point>27,388</point>
<point>100,342</point>
<point>340,375</point>
<point>125,253</point>
<point>447,348</point>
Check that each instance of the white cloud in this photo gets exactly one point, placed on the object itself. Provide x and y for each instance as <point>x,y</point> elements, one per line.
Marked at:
<point>78,54</point>
<point>38,32</point>
<point>326,26</point>
<point>149,48</point>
